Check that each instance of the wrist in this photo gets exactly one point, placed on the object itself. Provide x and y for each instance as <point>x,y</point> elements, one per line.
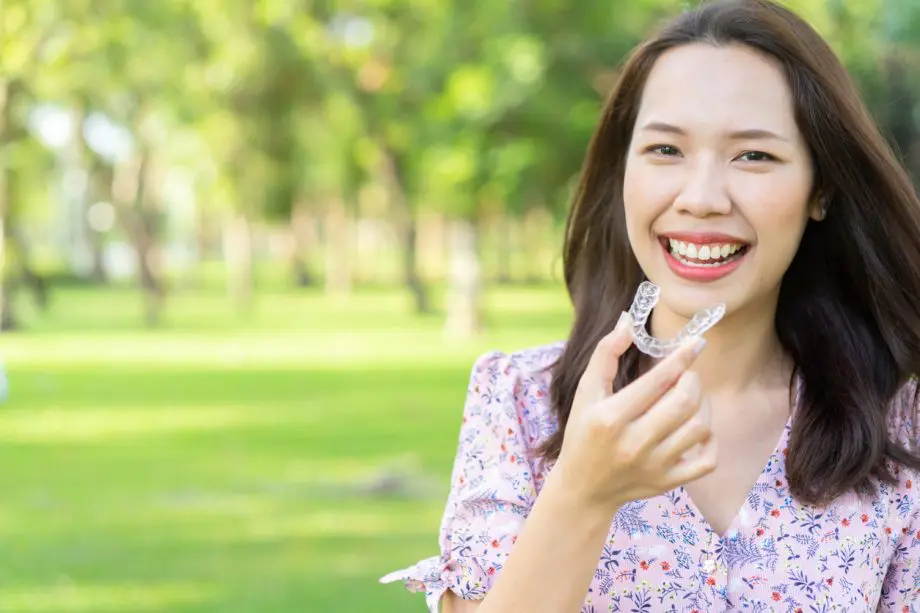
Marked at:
<point>571,500</point>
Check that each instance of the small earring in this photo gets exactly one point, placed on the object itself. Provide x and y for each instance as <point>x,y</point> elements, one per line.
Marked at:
<point>823,210</point>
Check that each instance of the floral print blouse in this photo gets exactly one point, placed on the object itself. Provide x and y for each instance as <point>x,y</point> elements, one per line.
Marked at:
<point>854,555</point>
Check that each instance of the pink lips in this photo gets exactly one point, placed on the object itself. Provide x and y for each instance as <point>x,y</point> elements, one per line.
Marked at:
<point>701,273</point>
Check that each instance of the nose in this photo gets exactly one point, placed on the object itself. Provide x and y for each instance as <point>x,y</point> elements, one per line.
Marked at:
<point>704,190</point>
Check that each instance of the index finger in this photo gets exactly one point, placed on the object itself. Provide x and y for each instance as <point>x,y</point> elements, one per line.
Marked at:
<point>598,377</point>
<point>648,389</point>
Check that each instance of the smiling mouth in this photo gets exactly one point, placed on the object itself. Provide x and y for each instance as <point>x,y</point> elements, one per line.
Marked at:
<point>700,255</point>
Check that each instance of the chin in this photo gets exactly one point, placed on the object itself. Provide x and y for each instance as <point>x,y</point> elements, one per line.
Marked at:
<point>685,301</point>
<point>685,310</point>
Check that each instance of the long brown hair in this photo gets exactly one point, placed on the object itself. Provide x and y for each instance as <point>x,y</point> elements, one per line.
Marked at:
<point>849,305</point>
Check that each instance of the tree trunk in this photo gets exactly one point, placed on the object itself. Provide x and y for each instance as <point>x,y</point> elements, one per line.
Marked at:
<point>15,262</point>
<point>8,91</point>
<point>132,205</point>
<point>506,245</point>
<point>77,195</point>
<point>8,283</point>
<point>238,258</point>
<point>300,272</point>
<point>465,281</point>
<point>8,319</point>
<point>537,227</point>
<point>432,245</point>
<point>100,186</point>
<point>303,236</point>
<point>407,222</point>
<point>411,277</point>
<point>96,191</point>
<point>19,246</point>
<point>339,275</point>
<point>98,274</point>
<point>148,261</point>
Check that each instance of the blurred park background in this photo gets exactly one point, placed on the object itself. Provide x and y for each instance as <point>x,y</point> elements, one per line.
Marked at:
<point>250,249</point>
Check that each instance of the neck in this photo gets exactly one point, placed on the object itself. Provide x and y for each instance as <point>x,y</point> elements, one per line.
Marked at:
<point>742,350</point>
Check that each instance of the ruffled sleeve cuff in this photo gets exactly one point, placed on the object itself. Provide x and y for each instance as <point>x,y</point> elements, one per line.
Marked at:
<point>492,489</point>
<point>468,578</point>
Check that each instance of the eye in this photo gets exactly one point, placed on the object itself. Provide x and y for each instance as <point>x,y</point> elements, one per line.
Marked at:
<point>756,156</point>
<point>664,150</point>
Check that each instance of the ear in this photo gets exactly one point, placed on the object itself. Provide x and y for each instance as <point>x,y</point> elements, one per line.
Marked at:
<point>817,209</point>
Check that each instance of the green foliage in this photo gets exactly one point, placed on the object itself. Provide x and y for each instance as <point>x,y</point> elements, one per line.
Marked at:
<point>471,108</point>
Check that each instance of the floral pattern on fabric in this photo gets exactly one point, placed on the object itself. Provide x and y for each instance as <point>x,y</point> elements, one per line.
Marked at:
<point>854,555</point>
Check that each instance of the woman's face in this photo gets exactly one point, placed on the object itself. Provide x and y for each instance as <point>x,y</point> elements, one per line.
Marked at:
<point>718,179</point>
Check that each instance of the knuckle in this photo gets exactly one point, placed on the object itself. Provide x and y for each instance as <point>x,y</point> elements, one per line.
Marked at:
<point>681,397</point>
<point>663,384</point>
<point>687,358</point>
<point>690,406</point>
<point>684,400</point>
<point>707,464</point>
<point>628,453</point>
<point>681,359</point>
<point>606,344</point>
<point>594,419</point>
<point>674,374</point>
<point>605,423</point>
<point>606,340</point>
<point>699,431</point>
<point>690,383</point>
<point>629,456</point>
<point>691,379</point>
<point>676,368</point>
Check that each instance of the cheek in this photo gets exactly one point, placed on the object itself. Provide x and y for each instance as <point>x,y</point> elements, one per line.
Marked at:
<point>778,214</point>
<point>645,197</point>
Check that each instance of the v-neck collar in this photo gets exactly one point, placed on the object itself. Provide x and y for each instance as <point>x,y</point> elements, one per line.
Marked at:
<point>777,455</point>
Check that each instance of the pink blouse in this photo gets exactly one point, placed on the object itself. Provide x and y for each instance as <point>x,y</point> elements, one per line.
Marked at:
<point>661,554</point>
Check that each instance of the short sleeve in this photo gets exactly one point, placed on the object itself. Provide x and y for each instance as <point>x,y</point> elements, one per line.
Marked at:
<point>901,588</point>
<point>491,492</point>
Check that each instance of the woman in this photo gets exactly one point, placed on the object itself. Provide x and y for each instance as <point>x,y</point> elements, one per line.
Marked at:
<point>735,164</point>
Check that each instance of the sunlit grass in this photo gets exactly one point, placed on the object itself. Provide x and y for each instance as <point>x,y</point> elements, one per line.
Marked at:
<point>66,597</point>
<point>227,464</point>
<point>63,425</point>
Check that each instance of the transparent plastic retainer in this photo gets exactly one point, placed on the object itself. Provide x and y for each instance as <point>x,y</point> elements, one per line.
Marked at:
<point>645,300</point>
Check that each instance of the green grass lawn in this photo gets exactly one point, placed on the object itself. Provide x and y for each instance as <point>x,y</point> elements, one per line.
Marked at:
<point>220,464</point>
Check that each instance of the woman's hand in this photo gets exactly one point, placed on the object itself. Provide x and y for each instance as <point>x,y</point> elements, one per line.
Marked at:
<point>630,445</point>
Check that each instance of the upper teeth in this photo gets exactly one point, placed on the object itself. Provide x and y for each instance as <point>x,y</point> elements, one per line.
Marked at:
<point>704,252</point>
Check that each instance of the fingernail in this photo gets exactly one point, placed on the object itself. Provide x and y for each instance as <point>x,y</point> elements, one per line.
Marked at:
<point>624,317</point>
<point>699,345</point>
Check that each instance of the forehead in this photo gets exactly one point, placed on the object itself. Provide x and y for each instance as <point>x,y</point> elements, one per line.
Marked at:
<point>702,85</point>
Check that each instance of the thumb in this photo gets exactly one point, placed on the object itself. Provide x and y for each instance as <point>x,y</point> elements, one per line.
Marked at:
<point>604,364</point>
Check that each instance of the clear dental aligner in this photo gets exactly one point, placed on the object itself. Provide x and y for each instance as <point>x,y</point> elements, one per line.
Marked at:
<point>645,300</point>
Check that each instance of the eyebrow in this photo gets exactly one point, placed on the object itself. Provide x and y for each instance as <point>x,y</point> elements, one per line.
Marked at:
<point>750,134</point>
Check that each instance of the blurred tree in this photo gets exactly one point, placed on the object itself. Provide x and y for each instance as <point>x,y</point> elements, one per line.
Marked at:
<point>110,77</point>
<point>523,98</point>
<point>30,40</point>
<point>299,113</point>
<point>255,79</point>
<point>380,79</point>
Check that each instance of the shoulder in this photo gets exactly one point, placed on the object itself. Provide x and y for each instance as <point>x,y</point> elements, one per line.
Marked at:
<point>529,366</point>
<point>529,362</point>
<point>514,387</point>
